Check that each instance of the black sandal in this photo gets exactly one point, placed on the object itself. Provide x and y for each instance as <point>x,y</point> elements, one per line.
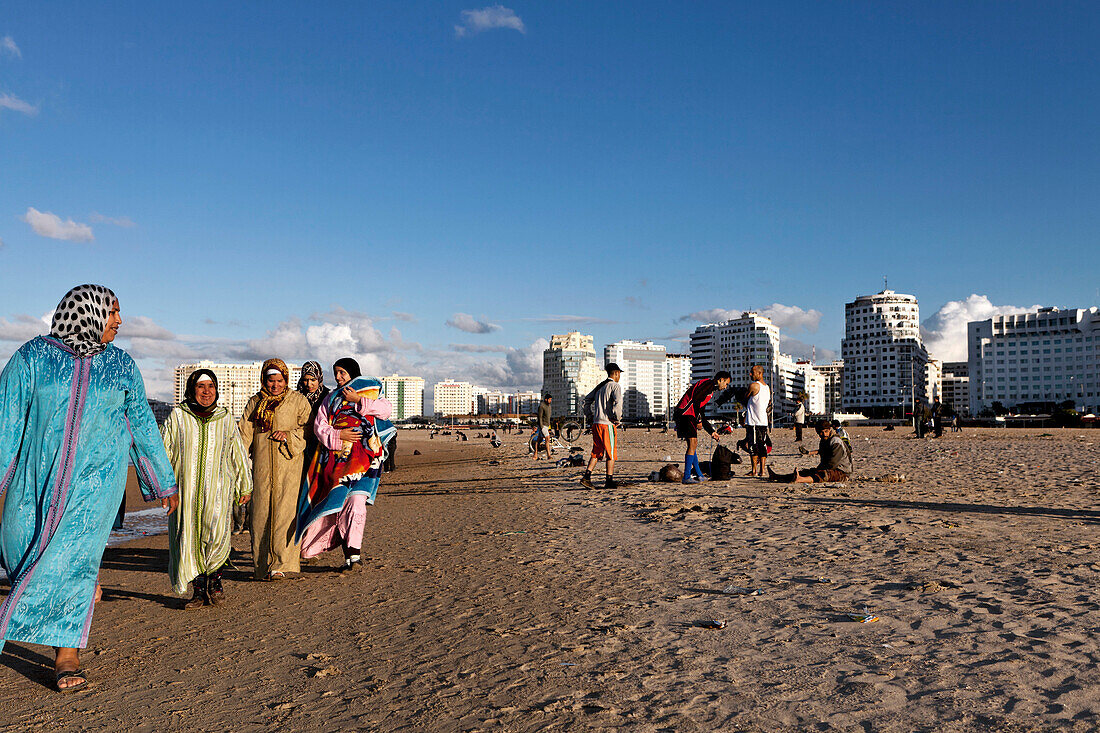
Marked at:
<point>78,673</point>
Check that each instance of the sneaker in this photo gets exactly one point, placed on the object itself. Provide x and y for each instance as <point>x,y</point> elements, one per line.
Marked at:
<point>351,564</point>
<point>690,480</point>
<point>701,479</point>
<point>586,481</point>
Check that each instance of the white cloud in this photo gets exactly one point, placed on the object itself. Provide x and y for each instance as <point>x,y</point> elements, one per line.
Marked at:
<point>578,320</point>
<point>119,221</point>
<point>50,225</point>
<point>944,332</point>
<point>406,317</point>
<point>14,103</point>
<point>22,327</point>
<point>469,324</point>
<point>488,18</point>
<point>143,327</point>
<point>789,318</point>
<point>479,348</point>
<point>7,45</point>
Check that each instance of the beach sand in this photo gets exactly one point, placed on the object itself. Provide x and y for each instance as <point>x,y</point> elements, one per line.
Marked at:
<point>507,597</point>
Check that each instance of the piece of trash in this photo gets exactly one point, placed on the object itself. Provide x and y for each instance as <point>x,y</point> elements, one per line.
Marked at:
<point>864,617</point>
<point>713,623</point>
<point>416,452</point>
<point>740,590</point>
<point>568,664</point>
<point>668,458</point>
<point>514,531</point>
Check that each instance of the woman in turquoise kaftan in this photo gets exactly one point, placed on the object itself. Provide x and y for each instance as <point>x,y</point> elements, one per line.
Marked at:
<point>72,409</point>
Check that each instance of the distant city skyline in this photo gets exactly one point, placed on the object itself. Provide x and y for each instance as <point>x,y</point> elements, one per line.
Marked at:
<point>496,178</point>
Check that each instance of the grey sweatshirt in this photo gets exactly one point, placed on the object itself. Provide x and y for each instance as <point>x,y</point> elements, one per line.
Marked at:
<point>834,454</point>
<point>604,405</point>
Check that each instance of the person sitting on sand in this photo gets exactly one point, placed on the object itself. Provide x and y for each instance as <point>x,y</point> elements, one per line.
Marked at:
<point>835,464</point>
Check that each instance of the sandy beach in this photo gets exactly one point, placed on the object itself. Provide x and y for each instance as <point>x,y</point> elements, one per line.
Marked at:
<point>498,594</point>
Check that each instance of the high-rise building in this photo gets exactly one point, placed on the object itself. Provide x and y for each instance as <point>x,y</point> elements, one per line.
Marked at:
<point>735,346</point>
<point>933,379</point>
<point>805,379</point>
<point>885,363</point>
<point>491,401</point>
<point>678,379</point>
<point>955,386</point>
<point>406,394</point>
<point>524,403</point>
<point>236,382</point>
<point>1034,361</point>
<point>643,379</point>
<point>452,398</point>
<point>570,370</point>
<point>833,376</point>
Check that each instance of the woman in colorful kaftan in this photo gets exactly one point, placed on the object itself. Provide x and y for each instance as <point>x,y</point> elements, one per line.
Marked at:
<point>72,409</point>
<point>213,473</point>
<point>273,429</point>
<point>352,428</point>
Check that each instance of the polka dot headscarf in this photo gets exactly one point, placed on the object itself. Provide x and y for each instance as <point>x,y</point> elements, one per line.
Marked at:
<point>81,317</point>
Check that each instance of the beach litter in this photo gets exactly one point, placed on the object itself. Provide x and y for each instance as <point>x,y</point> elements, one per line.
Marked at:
<point>713,623</point>
<point>863,617</point>
<point>740,590</point>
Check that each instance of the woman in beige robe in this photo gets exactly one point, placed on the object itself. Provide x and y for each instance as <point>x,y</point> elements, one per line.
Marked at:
<point>273,429</point>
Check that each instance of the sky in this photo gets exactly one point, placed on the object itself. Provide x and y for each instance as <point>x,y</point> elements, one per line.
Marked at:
<point>437,187</point>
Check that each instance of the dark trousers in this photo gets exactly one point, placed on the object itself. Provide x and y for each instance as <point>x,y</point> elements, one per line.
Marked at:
<point>798,432</point>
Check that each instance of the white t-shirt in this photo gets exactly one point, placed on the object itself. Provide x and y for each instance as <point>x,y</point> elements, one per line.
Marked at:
<point>756,412</point>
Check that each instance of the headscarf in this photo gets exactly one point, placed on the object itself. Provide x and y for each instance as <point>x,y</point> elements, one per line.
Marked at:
<point>313,369</point>
<point>81,317</point>
<point>349,365</point>
<point>189,399</point>
<point>264,414</point>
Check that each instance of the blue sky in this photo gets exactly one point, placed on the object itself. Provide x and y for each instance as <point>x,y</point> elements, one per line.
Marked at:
<point>320,179</point>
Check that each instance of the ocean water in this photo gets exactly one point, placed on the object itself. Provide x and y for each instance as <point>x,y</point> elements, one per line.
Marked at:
<point>138,524</point>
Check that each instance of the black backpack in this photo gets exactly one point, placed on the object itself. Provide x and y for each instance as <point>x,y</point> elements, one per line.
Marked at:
<point>721,461</point>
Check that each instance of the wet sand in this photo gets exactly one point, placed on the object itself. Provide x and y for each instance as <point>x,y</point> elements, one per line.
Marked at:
<point>507,597</point>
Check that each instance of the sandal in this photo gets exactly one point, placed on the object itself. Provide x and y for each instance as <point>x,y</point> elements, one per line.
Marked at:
<point>276,576</point>
<point>77,673</point>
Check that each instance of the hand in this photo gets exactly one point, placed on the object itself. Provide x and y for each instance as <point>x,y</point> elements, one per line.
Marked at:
<point>245,499</point>
<point>351,435</point>
<point>716,438</point>
<point>171,502</point>
<point>279,435</point>
<point>350,395</point>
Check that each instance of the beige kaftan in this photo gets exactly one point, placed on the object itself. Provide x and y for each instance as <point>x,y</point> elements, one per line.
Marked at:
<point>276,479</point>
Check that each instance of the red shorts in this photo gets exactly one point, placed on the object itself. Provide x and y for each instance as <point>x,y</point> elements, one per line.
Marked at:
<point>603,442</point>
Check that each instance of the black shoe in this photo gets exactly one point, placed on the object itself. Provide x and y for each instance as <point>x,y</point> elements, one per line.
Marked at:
<point>214,590</point>
<point>586,481</point>
<point>199,599</point>
<point>611,484</point>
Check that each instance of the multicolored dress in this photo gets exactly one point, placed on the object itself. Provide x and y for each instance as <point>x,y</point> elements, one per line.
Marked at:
<point>343,477</point>
<point>67,425</point>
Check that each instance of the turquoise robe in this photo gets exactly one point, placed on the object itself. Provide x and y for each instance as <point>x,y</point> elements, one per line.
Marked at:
<point>67,425</point>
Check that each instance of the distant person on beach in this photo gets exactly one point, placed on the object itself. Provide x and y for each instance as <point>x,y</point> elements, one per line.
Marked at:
<point>756,420</point>
<point>603,407</point>
<point>352,428</point>
<point>690,416</point>
<point>72,410</point>
<point>544,425</point>
<point>835,464</point>
<point>214,474</point>
<point>955,428</point>
<point>273,429</point>
<point>799,420</point>
<point>937,418</point>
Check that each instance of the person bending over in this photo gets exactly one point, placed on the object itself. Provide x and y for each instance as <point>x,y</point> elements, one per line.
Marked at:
<point>835,463</point>
<point>690,416</point>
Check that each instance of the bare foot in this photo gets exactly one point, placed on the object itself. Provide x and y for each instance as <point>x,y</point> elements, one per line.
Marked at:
<point>98,594</point>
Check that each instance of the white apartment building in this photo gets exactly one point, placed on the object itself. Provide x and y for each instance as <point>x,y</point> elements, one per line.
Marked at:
<point>933,379</point>
<point>236,382</point>
<point>833,376</point>
<point>955,386</point>
<point>734,346</point>
<point>1034,360</point>
<point>570,370</point>
<point>806,379</point>
<point>406,394</point>
<point>490,401</point>
<point>452,398</point>
<point>677,379</point>
<point>524,403</point>
<point>885,363</point>
<point>643,380</point>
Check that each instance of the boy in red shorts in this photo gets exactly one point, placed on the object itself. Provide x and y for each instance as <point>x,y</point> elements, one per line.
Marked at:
<point>604,409</point>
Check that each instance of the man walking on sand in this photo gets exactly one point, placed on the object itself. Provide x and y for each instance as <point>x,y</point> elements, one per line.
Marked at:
<point>604,408</point>
<point>756,420</point>
<point>544,425</point>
